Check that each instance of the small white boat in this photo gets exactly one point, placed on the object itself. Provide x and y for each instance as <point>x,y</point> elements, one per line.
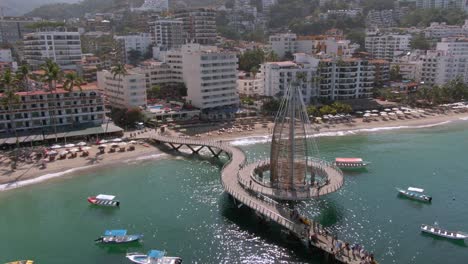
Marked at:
<point>153,257</point>
<point>443,233</point>
<point>104,200</point>
<point>415,193</point>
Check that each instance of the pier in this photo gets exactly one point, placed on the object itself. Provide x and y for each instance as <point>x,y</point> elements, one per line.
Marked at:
<point>238,181</point>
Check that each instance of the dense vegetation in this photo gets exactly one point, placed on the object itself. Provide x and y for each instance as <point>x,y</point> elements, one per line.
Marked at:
<point>423,17</point>
<point>64,11</point>
<point>454,91</point>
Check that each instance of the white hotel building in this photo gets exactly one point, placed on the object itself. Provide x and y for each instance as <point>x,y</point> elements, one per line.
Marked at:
<point>123,91</point>
<point>60,45</point>
<point>210,76</point>
<point>37,110</point>
<point>387,46</point>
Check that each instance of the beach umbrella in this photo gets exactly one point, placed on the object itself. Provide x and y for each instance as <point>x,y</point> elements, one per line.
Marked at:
<point>74,150</point>
<point>374,115</point>
<point>133,142</point>
<point>367,115</point>
<point>117,140</point>
<point>81,144</point>
<point>387,110</point>
<point>63,152</point>
<point>395,109</point>
<point>375,111</point>
<point>123,144</point>
<point>383,113</point>
<point>367,111</point>
<point>102,146</point>
<point>359,112</point>
<point>103,141</point>
<point>392,114</point>
<point>87,148</point>
<point>114,145</point>
<point>56,147</point>
<point>52,153</point>
<point>69,145</point>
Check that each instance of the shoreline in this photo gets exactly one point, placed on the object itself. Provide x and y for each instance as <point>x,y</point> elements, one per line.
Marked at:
<point>25,175</point>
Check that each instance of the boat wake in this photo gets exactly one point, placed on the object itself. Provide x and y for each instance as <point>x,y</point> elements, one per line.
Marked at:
<point>250,140</point>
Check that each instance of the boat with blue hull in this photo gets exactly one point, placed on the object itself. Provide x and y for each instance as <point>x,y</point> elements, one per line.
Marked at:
<point>153,257</point>
<point>117,237</point>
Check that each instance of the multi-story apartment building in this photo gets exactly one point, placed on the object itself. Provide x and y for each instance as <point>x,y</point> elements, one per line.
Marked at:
<point>157,73</point>
<point>383,18</point>
<point>387,46</point>
<point>12,29</point>
<point>167,34</point>
<point>344,79</point>
<point>331,79</point>
<point>58,44</point>
<point>210,76</point>
<point>199,25</point>
<point>279,75</point>
<point>123,91</point>
<point>281,44</point>
<point>442,30</point>
<point>41,110</point>
<point>138,42</point>
<point>448,62</point>
<point>249,85</point>
<point>442,4</point>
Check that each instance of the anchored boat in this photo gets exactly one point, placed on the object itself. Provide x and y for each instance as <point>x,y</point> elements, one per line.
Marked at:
<point>104,200</point>
<point>117,237</point>
<point>443,233</point>
<point>153,257</point>
<point>350,163</point>
<point>415,193</point>
<point>21,262</point>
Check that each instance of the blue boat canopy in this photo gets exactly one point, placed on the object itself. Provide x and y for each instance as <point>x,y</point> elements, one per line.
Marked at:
<point>157,254</point>
<point>118,232</point>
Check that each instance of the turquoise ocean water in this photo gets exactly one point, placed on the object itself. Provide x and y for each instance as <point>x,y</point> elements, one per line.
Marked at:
<point>179,206</point>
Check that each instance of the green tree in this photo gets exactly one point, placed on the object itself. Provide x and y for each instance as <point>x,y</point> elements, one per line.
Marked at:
<point>395,73</point>
<point>10,98</point>
<point>342,107</point>
<point>271,57</point>
<point>52,74</point>
<point>154,92</point>
<point>72,81</point>
<point>272,105</point>
<point>251,59</point>
<point>312,110</point>
<point>419,42</point>
<point>288,56</point>
<point>327,110</point>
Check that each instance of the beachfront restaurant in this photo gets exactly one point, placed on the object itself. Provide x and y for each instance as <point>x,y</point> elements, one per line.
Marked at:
<point>89,132</point>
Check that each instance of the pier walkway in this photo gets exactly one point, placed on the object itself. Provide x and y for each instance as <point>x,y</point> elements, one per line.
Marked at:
<point>236,180</point>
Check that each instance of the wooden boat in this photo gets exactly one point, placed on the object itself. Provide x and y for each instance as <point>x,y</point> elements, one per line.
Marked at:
<point>415,193</point>
<point>153,257</point>
<point>117,237</point>
<point>443,233</point>
<point>103,200</point>
<point>350,163</point>
<point>21,262</point>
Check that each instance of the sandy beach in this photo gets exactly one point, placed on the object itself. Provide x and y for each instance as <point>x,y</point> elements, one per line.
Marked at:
<point>30,173</point>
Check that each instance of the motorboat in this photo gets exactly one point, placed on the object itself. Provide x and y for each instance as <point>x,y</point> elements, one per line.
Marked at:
<point>117,237</point>
<point>350,163</point>
<point>21,262</point>
<point>153,257</point>
<point>415,193</point>
<point>104,200</point>
<point>443,233</point>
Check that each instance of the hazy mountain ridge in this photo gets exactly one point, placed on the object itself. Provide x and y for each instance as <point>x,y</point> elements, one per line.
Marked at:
<point>20,7</point>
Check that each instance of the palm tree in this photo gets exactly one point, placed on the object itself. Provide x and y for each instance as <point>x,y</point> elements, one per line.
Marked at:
<point>23,75</point>
<point>52,74</point>
<point>72,81</point>
<point>10,85</point>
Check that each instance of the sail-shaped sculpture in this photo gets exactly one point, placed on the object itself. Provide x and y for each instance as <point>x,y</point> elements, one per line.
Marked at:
<point>289,168</point>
